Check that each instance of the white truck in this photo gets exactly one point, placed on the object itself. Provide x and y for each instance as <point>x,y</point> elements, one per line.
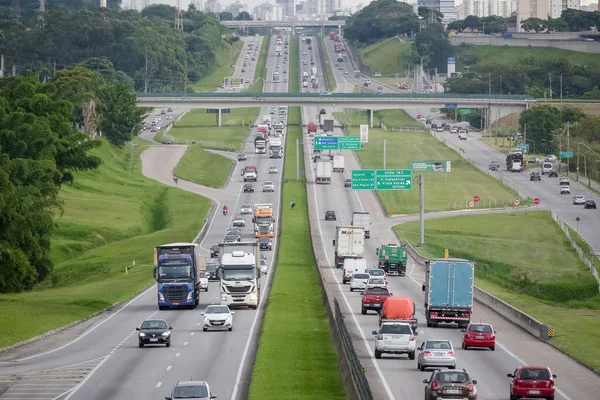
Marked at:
<point>322,118</point>
<point>324,169</point>
<point>275,147</point>
<point>363,220</point>
<point>313,71</point>
<point>305,84</point>
<point>349,242</point>
<point>338,163</point>
<point>278,51</point>
<point>239,274</point>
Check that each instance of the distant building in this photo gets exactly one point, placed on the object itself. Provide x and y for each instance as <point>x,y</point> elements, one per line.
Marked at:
<point>212,6</point>
<point>288,8</point>
<point>435,4</point>
<point>268,12</point>
<point>531,9</point>
<point>236,8</point>
<point>502,8</point>
<point>558,6</point>
<point>477,8</point>
<point>448,10</point>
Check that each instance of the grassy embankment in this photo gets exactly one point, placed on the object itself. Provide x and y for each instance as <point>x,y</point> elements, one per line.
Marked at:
<point>328,69</point>
<point>442,190</point>
<point>296,358</point>
<point>225,59</point>
<point>104,228</point>
<point>389,58</point>
<point>260,74</point>
<point>293,79</point>
<point>543,278</point>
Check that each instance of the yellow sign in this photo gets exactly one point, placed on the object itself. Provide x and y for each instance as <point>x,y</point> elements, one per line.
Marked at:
<point>390,209</point>
<point>155,256</point>
<point>446,253</point>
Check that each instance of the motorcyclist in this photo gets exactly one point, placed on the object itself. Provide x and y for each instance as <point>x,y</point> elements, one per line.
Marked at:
<point>225,210</point>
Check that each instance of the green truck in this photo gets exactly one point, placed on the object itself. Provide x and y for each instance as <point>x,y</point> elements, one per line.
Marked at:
<point>392,259</point>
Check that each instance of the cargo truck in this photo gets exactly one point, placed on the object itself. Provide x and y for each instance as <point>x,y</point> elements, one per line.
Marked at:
<point>515,162</point>
<point>177,273</point>
<point>328,126</point>
<point>338,47</point>
<point>322,118</point>
<point>264,223</point>
<point>260,145</point>
<point>392,259</point>
<point>275,150</point>
<point>349,242</point>
<point>448,290</point>
<point>361,219</point>
<point>331,35</point>
<point>313,71</point>
<point>338,163</point>
<point>308,40</point>
<point>324,169</point>
<point>239,274</point>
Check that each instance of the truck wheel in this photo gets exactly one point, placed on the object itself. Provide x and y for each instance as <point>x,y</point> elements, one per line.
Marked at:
<point>411,355</point>
<point>141,345</point>
<point>377,354</point>
<point>352,290</point>
<point>161,308</point>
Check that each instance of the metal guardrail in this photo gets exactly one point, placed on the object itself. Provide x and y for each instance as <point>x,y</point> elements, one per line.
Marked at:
<point>358,374</point>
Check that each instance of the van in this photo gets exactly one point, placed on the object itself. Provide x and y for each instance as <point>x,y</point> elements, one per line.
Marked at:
<point>353,266</point>
<point>462,135</point>
<point>546,167</point>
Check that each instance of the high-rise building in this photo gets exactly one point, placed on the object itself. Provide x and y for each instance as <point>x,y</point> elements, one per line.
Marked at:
<point>502,8</point>
<point>329,7</point>
<point>448,10</point>
<point>429,4</point>
<point>236,8</point>
<point>531,9</point>
<point>558,6</point>
<point>477,8</point>
<point>212,6</point>
<point>288,8</point>
<point>268,12</point>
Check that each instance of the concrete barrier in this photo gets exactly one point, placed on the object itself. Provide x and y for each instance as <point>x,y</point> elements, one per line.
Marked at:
<point>512,314</point>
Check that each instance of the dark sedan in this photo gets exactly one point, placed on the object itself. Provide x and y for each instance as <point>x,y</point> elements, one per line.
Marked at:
<point>348,183</point>
<point>154,331</point>
<point>589,204</point>
<point>330,215</point>
<point>248,188</point>
<point>265,244</point>
<point>552,174</point>
<point>214,251</point>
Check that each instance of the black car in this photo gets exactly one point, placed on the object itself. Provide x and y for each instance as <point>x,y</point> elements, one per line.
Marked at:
<point>552,174</point>
<point>169,109</point>
<point>535,176</point>
<point>214,251</point>
<point>265,244</point>
<point>231,239</point>
<point>241,157</point>
<point>589,204</point>
<point>154,331</point>
<point>330,215</point>
<point>211,269</point>
<point>248,188</point>
<point>348,183</point>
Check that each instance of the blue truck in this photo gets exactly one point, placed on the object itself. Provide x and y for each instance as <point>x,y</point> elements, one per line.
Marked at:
<point>177,273</point>
<point>448,291</point>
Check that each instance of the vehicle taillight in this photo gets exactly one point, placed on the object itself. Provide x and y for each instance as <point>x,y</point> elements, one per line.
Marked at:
<point>450,353</point>
<point>470,387</point>
<point>379,337</point>
<point>493,337</point>
<point>551,383</point>
<point>426,353</point>
<point>434,386</point>
<point>366,300</point>
<point>412,339</point>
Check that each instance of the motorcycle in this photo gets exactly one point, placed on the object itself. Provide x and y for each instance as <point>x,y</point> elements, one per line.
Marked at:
<point>224,213</point>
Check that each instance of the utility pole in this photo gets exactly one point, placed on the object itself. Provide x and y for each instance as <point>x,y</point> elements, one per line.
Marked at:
<point>297,160</point>
<point>561,87</point>
<point>131,154</point>
<point>384,155</point>
<point>41,21</point>
<point>422,210</point>
<point>568,150</point>
<point>550,78</point>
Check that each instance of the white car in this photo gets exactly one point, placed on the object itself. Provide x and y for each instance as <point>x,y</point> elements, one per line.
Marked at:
<point>268,186</point>
<point>565,190</point>
<point>377,273</point>
<point>376,282</point>
<point>359,282</point>
<point>578,200</point>
<point>273,170</point>
<point>203,280</point>
<point>217,317</point>
<point>263,265</point>
<point>395,338</point>
<point>551,158</point>
<point>239,221</point>
<point>246,209</point>
<point>436,353</point>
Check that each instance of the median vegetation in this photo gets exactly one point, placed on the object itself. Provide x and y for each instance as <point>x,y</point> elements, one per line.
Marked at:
<point>260,74</point>
<point>103,230</point>
<point>296,358</point>
<point>331,84</point>
<point>542,276</point>
<point>293,77</point>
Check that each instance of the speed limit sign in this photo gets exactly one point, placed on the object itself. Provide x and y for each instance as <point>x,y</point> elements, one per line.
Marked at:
<point>516,202</point>
<point>471,204</point>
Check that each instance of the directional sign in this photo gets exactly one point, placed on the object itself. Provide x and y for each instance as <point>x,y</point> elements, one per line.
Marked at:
<point>450,105</point>
<point>393,179</point>
<point>566,154</point>
<point>465,111</point>
<point>536,201</point>
<point>349,143</point>
<point>363,179</point>
<point>326,143</point>
<point>429,166</point>
<point>522,146</point>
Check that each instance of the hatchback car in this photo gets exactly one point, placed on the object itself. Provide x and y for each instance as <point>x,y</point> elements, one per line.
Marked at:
<point>377,273</point>
<point>154,331</point>
<point>450,385</point>
<point>535,176</point>
<point>532,382</point>
<point>195,390</point>
<point>273,170</point>
<point>242,157</point>
<point>376,282</point>
<point>359,282</point>
<point>330,215</point>
<point>578,200</point>
<point>565,190</point>
<point>246,209</point>
<point>436,353</point>
<point>248,188</point>
<point>590,204</point>
<point>214,251</point>
<point>479,335</point>
<point>268,186</point>
<point>348,183</point>
<point>395,338</point>
<point>265,243</point>
<point>239,221</point>
<point>217,317</point>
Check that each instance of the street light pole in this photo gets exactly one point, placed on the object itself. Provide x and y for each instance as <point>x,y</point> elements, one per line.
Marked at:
<point>561,87</point>
<point>550,77</point>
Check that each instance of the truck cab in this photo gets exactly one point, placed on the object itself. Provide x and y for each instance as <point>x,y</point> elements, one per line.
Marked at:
<point>239,274</point>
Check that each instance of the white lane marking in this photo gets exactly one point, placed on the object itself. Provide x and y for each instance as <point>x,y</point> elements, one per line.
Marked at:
<point>192,333</point>
<point>177,355</point>
<point>340,288</point>
<point>97,367</point>
<point>186,343</point>
<point>169,367</point>
<point>99,324</point>
<point>159,384</point>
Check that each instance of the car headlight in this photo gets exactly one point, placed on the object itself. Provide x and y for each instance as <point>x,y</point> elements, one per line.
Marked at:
<point>253,297</point>
<point>142,334</point>
<point>224,298</point>
<point>161,297</point>
<point>166,334</point>
<point>190,296</point>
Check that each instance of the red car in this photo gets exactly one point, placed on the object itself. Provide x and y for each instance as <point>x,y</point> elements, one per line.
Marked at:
<point>532,382</point>
<point>479,335</point>
<point>153,130</point>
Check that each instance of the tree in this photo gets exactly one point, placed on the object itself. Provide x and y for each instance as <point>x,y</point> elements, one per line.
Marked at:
<point>571,114</point>
<point>541,122</point>
<point>433,45</point>
<point>381,19</point>
<point>469,58</point>
<point>225,16</point>
<point>244,16</point>
<point>121,118</point>
<point>533,24</point>
<point>593,94</point>
<point>430,14</point>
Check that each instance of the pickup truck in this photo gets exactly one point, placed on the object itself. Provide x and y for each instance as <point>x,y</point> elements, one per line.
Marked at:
<point>373,299</point>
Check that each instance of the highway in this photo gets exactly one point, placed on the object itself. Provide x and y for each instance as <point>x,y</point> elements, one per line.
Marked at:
<point>115,367</point>
<point>396,377</point>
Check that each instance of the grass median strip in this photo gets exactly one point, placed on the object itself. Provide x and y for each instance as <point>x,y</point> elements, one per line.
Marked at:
<point>260,74</point>
<point>203,167</point>
<point>293,78</point>
<point>331,85</point>
<point>443,191</point>
<point>543,277</point>
<point>104,229</point>
<point>296,358</point>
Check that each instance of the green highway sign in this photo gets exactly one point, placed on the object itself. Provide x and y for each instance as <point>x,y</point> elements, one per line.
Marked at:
<point>465,111</point>
<point>566,154</point>
<point>349,142</point>
<point>393,179</point>
<point>430,166</point>
<point>326,143</point>
<point>363,179</point>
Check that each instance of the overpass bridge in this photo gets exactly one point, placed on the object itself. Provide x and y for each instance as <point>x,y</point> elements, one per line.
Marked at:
<point>499,105</point>
<point>293,25</point>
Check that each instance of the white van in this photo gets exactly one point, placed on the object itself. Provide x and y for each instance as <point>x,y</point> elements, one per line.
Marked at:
<point>462,135</point>
<point>546,167</point>
<point>353,266</point>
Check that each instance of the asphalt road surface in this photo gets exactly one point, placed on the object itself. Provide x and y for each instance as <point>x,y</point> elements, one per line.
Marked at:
<point>104,361</point>
<point>396,377</point>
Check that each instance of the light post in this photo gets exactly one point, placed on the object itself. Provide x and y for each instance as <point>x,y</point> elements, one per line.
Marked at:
<point>550,78</point>
<point>561,87</point>
<point>584,165</point>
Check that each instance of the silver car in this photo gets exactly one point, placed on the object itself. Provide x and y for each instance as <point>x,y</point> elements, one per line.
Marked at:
<point>246,209</point>
<point>273,170</point>
<point>203,280</point>
<point>263,266</point>
<point>239,221</point>
<point>268,186</point>
<point>436,353</point>
<point>376,282</point>
<point>359,282</point>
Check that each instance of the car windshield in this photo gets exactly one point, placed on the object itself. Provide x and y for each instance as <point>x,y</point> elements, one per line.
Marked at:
<point>534,374</point>
<point>396,329</point>
<point>246,206</point>
<point>154,324</point>
<point>264,240</point>
<point>190,392</point>
<point>452,377</point>
<point>481,328</point>
<point>377,291</point>
<point>217,310</point>
<point>438,344</point>
<point>376,272</point>
<point>268,183</point>
<point>361,276</point>
<point>330,212</point>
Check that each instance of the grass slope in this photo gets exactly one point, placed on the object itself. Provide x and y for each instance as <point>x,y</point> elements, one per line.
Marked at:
<point>331,85</point>
<point>296,358</point>
<point>387,57</point>
<point>225,59</point>
<point>261,68</point>
<point>442,191</point>
<point>112,217</point>
<point>544,279</point>
<point>203,167</point>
